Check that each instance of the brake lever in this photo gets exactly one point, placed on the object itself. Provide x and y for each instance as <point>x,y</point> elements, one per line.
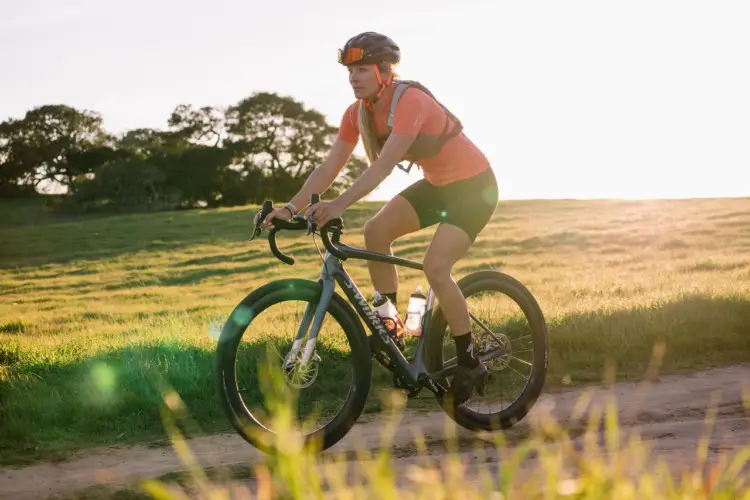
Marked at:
<point>265,210</point>
<point>315,198</point>
<point>256,232</point>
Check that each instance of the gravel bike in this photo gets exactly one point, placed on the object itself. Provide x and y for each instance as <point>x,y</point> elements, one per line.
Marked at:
<point>509,339</point>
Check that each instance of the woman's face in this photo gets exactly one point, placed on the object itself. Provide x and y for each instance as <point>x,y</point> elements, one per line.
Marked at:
<point>364,81</point>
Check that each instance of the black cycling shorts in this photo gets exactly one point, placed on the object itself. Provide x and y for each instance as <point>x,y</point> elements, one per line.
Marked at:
<point>468,204</point>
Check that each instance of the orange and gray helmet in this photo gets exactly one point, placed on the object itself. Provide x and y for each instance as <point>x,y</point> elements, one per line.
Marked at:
<point>369,48</point>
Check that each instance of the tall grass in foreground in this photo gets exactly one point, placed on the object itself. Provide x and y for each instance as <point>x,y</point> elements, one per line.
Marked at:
<point>549,463</point>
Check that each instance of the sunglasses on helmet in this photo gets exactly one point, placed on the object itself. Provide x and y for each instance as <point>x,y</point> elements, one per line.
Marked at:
<point>351,55</point>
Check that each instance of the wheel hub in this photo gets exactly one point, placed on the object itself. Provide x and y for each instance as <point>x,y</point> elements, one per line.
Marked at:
<point>298,375</point>
<point>501,361</point>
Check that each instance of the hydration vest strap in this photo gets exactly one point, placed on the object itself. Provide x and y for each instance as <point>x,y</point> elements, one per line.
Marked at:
<point>445,135</point>
<point>400,89</point>
<point>401,86</point>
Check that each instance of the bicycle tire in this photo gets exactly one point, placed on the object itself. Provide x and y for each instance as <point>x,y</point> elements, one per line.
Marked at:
<point>496,281</point>
<point>243,421</point>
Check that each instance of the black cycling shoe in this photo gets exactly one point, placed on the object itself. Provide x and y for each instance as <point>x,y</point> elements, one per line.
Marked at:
<point>466,380</point>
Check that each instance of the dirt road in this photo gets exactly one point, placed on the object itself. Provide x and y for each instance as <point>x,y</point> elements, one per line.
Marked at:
<point>668,413</point>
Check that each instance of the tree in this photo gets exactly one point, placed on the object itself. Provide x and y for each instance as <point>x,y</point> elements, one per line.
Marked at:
<point>148,142</point>
<point>13,172</point>
<point>204,126</point>
<point>130,183</point>
<point>265,146</point>
<point>45,144</point>
<point>197,174</point>
<point>278,135</point>
<point>351,171</point>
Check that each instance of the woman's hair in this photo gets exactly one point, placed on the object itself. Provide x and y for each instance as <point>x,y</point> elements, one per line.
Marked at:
<point>365,121</point>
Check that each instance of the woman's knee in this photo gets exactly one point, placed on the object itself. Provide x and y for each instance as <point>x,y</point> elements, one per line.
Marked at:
<point>394,220</point>
<point>437,271</point>
<point>376,233</point>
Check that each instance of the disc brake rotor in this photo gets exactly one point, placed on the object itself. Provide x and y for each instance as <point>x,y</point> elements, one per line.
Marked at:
<point>488,343</point>
<point>297,375</point>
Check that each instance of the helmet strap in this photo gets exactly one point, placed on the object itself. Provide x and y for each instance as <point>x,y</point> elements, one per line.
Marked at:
<point>382,85</point>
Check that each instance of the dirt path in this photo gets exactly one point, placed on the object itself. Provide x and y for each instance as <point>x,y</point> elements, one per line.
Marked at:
<point>669,414</point>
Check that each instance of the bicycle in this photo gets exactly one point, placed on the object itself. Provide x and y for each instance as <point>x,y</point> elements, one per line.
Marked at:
<point>427,368</point>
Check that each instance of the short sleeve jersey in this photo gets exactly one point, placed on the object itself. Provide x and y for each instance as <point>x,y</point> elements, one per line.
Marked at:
<point>419,114</point>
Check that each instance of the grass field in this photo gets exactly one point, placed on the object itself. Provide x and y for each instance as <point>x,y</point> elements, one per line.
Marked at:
<point>96,312</point>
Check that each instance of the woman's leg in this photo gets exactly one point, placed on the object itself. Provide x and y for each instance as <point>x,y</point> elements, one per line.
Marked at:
<point>449,244</point>
<point>394,220</point>
<point>469,205</point>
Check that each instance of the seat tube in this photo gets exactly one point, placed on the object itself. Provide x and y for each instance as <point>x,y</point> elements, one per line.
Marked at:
<point>428,312</point>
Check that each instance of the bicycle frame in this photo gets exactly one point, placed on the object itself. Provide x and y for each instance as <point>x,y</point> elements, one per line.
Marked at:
<point>414,374</point>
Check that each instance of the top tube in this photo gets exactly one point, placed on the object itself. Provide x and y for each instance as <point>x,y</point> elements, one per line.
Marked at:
<point>358,253</point>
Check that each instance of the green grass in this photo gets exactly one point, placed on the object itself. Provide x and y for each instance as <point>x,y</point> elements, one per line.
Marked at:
<point>98,313</point>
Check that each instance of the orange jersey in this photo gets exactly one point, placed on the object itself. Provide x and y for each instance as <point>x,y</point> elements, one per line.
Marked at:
<point>418,114</point>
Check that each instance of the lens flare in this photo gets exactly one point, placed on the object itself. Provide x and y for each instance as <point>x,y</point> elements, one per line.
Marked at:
<point>242,315</point>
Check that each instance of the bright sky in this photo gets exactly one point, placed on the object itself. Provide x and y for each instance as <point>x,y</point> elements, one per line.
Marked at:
<point>644,98</point>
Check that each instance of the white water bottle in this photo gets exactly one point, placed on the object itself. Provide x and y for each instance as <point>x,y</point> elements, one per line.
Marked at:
<point>384,307</point>
<point>415,312</point>
<point>389,314</point>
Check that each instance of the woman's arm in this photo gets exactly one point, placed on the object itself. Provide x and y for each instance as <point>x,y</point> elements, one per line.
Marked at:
<point>393,152</point>
<point>323,176</point>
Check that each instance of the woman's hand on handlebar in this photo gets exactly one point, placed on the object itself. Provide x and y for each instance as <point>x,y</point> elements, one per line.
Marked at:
<point>324,211</point>
<point>277,213</point>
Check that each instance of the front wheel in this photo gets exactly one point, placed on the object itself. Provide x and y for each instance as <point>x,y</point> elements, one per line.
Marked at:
<point>509,329</point>
<point>327,394</point>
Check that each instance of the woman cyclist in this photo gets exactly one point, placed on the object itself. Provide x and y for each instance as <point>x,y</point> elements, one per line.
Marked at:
<point>458,191</point>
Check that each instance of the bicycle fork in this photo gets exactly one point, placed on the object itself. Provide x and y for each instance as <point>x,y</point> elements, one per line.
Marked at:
<point>313,314</point>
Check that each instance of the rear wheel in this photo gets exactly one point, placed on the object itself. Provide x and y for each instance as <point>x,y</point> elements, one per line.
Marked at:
<point>508,324</point>
<point>327,395</point>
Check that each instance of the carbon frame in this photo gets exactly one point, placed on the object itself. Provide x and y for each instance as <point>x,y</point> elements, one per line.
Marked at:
<point>414,374</point>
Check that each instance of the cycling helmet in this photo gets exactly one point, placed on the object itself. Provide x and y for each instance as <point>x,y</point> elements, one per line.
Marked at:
<point>369,48</point>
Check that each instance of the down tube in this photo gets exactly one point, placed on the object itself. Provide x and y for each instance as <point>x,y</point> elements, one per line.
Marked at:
<point>360,303</point>
<point>369,317</point>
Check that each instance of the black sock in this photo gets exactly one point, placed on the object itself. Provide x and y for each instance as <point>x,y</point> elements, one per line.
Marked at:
<point>391,297</point>
<point>465,351</point>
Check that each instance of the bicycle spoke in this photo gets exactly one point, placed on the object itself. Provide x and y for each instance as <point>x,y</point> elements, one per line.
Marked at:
<point>521,374</point>
<point>525,350</point>
<point>484,327</point>
<point>278,354</point>
<point>522,361</point>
